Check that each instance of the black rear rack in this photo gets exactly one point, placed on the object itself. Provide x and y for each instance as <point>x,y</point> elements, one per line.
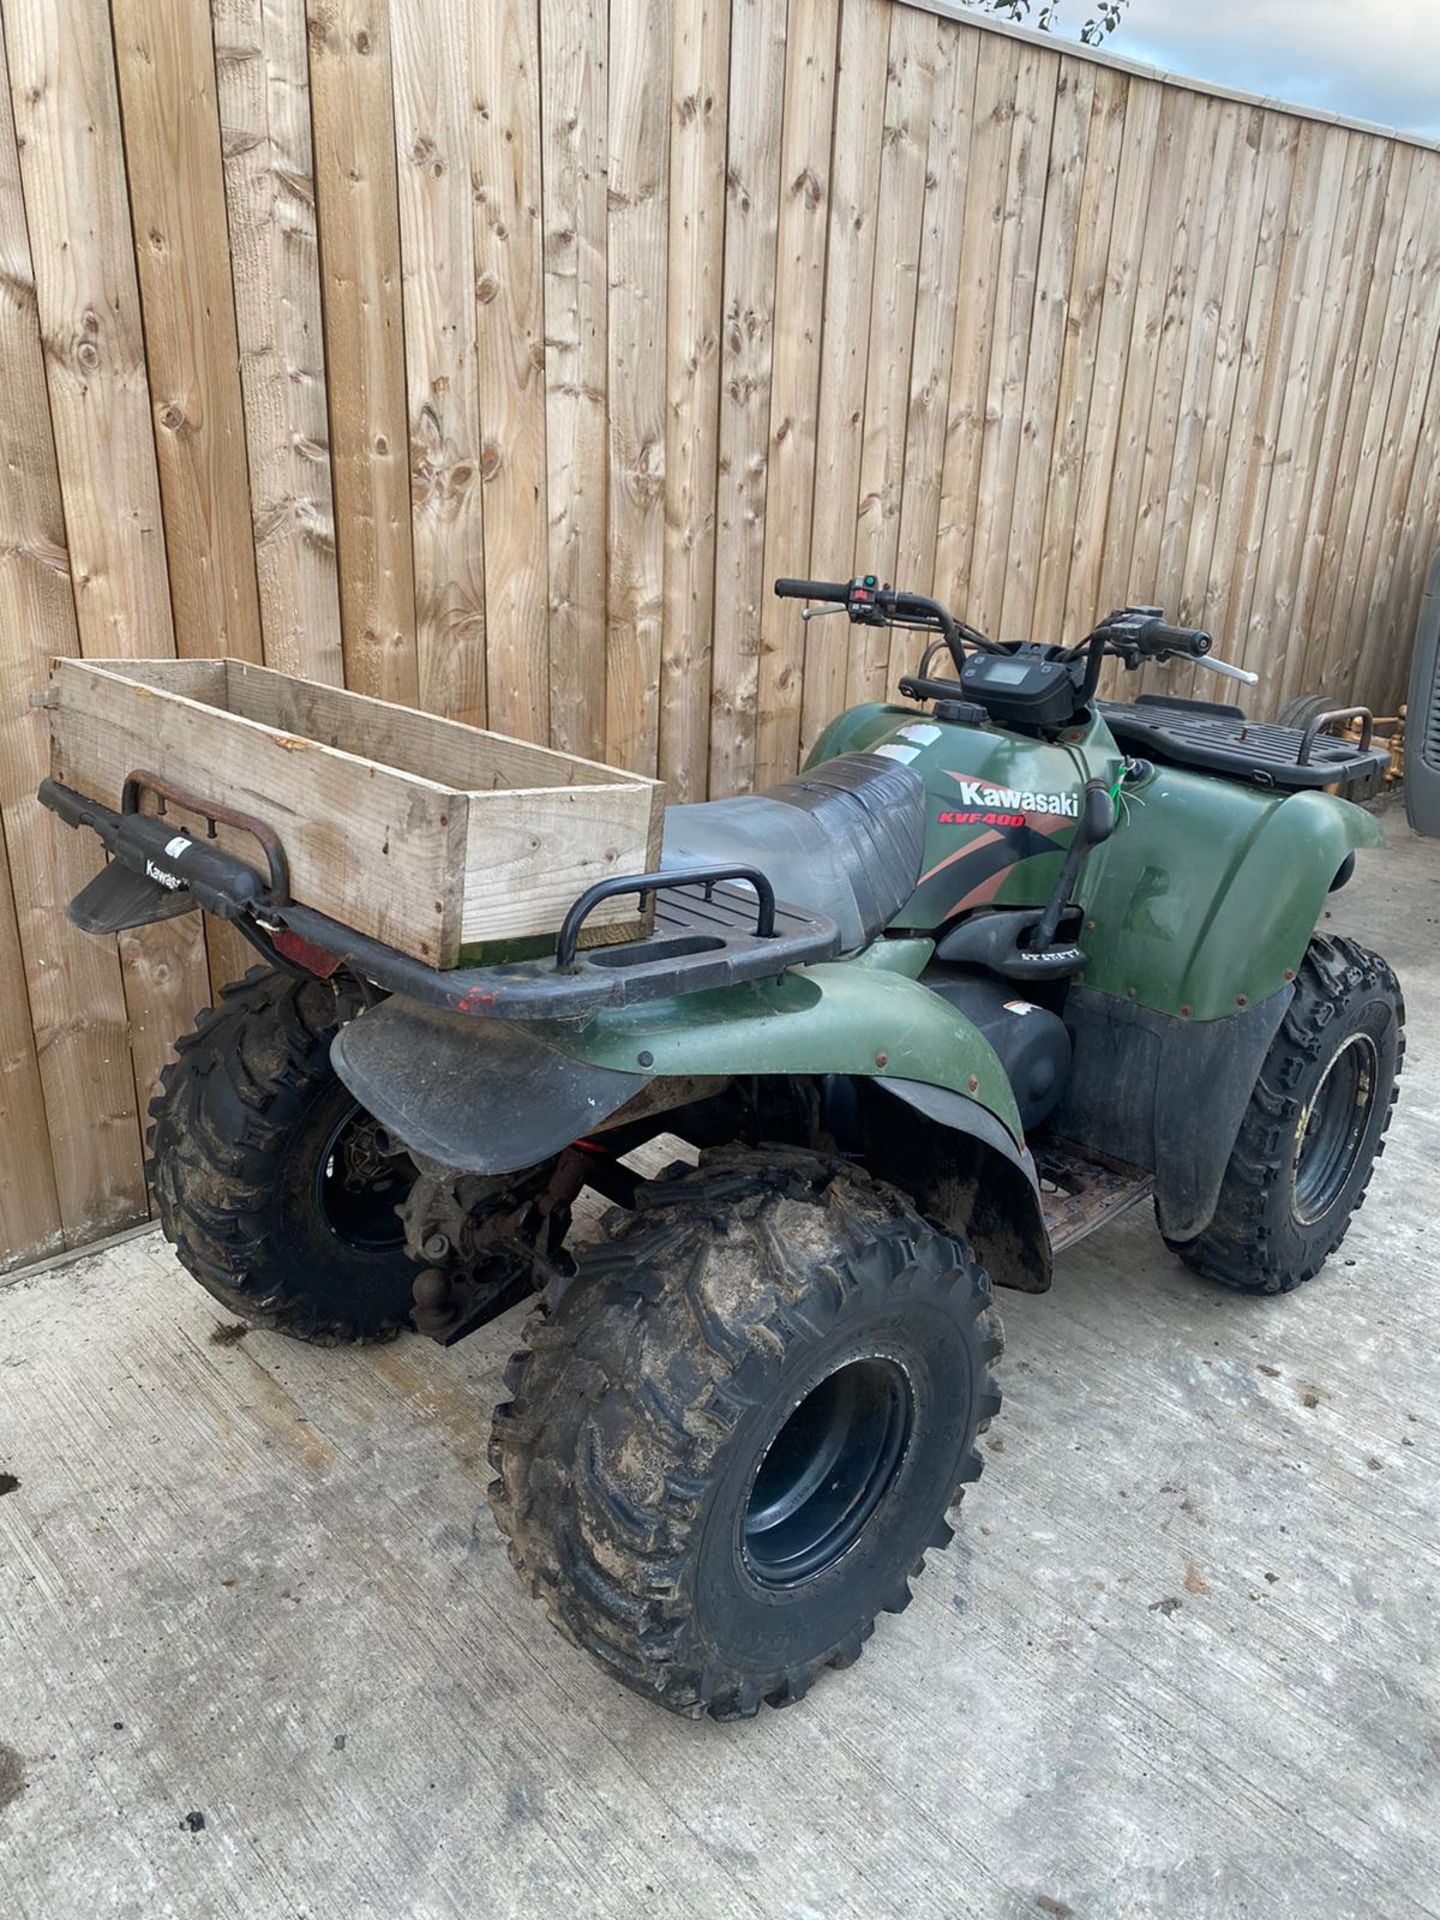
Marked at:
<point>1215,739</point>
<point>715,926</point>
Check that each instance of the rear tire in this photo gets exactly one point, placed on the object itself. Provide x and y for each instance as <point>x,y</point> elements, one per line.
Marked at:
<point>263,1176</point>
<point>733,1438</point>
<point>1314,1128</point>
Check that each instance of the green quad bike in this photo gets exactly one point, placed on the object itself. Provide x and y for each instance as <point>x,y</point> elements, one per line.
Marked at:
<point>981,977</point>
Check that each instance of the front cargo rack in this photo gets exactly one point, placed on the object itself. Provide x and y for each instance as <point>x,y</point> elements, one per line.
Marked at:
<point>1209,738</point>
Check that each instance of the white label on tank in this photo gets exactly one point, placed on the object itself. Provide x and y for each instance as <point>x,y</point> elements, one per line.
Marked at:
<point>177,846</point>
<point>892,752</point>
<point>922,733</point>
<point>1021,1006</point>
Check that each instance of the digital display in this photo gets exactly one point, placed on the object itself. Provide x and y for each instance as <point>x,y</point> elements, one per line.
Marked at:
<point>1005,673</point>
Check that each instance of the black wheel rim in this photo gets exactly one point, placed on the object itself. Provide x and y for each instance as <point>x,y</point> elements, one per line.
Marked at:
<point>359,1183</point>
<point>1332,1131</point>
<point>826,1472</point>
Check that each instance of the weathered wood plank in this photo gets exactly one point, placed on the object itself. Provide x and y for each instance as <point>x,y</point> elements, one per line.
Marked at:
<point>263,93</point>
<point>1059,233</point>
<point>1014,309</point>
<point>574,57</point>
<point>432,51</point>
<point>1084,330</point>
<point>996,80</point>
<point>915,54</point>
<point>67,111</point>
<point>29,1205</point>
<point>166,64</point>
<point>353,117</point>
<point>811,47</point>
<point>699,120</point>
<point>640,114</point>
<point>67,990</point>
<point>845,354</point>
<point>747,342</point>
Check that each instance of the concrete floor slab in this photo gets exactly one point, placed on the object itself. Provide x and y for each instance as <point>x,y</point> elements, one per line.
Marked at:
<point>1180,1661</point>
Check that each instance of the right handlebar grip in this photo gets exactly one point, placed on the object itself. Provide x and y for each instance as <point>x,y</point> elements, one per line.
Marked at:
<point>1192,640</point>
<point>836,590</point>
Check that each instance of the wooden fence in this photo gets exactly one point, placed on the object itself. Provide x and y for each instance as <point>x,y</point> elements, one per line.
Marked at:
<point>494,357</point>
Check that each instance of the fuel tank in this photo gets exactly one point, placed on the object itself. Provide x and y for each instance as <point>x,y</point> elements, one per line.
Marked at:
<point>1002,807</point>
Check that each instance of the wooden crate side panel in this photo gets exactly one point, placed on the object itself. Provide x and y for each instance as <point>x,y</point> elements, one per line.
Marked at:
<point>166,63</point>
<point>263,95</point>
<point>356,201</point>
<point>432,48</point>
<point>530,855</point>
<point>446,753</point>
<point>367,844</point>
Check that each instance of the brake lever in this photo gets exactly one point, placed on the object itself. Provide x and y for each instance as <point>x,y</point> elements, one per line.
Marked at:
<point>815,613</point>
<point>1224,668</point>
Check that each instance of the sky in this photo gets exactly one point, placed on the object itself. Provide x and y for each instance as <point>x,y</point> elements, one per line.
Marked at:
<point>1368,59</point>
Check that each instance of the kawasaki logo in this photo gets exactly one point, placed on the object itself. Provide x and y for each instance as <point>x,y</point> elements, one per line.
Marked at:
<point>1012,800</point>
<point>170,880</point>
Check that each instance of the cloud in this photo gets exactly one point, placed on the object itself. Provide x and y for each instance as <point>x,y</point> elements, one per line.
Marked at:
<point>1369,59</point>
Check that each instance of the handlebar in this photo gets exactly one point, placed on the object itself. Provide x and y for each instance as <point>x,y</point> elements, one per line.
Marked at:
<point>836,590</point>
<point>1158,637</point>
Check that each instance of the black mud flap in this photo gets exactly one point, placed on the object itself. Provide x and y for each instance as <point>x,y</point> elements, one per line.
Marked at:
<point>482,1096</point>
<point>117,898</point>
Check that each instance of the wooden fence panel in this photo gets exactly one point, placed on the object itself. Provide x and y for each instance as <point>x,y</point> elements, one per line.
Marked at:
<point>494,358</point>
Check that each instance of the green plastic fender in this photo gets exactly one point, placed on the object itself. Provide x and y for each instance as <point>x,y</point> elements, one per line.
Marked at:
<point>868,1016</point>
<point>1206,895</point>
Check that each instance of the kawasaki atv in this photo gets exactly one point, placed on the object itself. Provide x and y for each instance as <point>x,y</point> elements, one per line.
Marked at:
<point>1000,963</point>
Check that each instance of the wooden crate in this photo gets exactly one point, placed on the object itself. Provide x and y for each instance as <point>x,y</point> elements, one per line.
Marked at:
<point>446,842</point>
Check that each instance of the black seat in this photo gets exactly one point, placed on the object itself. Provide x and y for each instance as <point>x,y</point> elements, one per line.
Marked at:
<point>844,839</point>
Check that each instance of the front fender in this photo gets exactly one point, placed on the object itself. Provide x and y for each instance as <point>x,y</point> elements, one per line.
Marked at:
<point>1205,898</point>
<point>841,1017</point>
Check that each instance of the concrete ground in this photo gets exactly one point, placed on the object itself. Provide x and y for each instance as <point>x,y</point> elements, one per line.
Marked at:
<point>1182,1659</point>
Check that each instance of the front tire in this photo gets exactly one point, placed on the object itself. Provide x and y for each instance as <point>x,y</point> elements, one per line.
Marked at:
<point>269,1179</point>
<point>1314,1128</point>
<point>732,1440</point>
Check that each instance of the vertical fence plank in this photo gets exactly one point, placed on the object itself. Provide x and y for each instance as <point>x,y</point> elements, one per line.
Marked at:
<point>29,1205</point>
<point>1014,309</point>
<point>432,56</point>
<point>355,193</point>
<point>1070,133</point>
<point>912,79</point>
<point>747,343</point>
<point>70,991</point>
<point>165,59</point>
<point>939,292</point>
<point>639,109</point>
<point>845,350</point>
<point>811,46</point>
<point>263,93</point>
<point>1075,380</point>
<point>700,93</point>
<point>574,56</point>
<point>996,80</point>
<point>67,112</point>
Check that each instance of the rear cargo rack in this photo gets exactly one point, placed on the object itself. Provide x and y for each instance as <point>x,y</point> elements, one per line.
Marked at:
<point>1216,739</point>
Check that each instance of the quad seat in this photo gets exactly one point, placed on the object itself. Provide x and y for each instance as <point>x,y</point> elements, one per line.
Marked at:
<point>844,840</point>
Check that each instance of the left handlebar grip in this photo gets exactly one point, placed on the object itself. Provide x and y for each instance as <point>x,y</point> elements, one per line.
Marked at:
<point>836,590</point>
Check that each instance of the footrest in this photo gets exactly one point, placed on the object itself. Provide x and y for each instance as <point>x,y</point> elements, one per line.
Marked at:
<point>1078,1194</point>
